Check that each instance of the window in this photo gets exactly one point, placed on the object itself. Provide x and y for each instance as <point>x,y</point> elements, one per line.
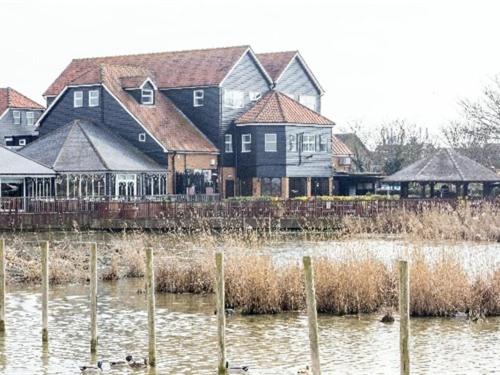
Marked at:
<point>147,97</point>
<point>228,141</point>
<point>198,98</point>
<point>93,98</point>
<point>234,99</point>
<point>270,187</point>
<point>345,161</point>
<point>17,117</point>
<point>309,101</point>
<point>30,118</point>
<point>142,137</point>
<point>254,95</point>
<point>323,143</point>
<point>78,99</point>
<point>308,143</point>
<point>22,142</point>
<point>270,143</point>
<point>292,143</point>
<point>246,143</point>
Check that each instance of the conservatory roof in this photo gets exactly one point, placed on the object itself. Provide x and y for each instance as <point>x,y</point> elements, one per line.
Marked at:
<point>13,164</point>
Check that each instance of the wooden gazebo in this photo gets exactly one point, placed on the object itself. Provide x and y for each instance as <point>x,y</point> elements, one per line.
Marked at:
<point>446,167</point>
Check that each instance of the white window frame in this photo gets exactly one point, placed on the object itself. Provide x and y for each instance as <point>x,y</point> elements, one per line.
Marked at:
<point>234,99</point>
<point>270,142</point>
<point>345,160</point>
<point>292,143</point>
<point>77,99</point>
<point>22,142</point>
<point>228,143</point>
<point>147,97</point>
<point>254,95</point>
<point>323,141</point>
<point>246,143</point>
<point>142,137</point>
<point>198,98</point>
<point>94,98</point>
<point>30,118</point>
<point>16,115</point>
<point>309,140</point>
<point>309,101</point>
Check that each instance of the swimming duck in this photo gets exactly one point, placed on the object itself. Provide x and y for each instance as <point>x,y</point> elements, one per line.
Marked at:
<point>91,369</point>
<point>304,371</point>
<point>237,369</point>
<point>119,363</point>
<point>136,364</point>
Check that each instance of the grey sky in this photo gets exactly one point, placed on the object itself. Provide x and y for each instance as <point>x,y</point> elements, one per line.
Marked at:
<point>377,60</point>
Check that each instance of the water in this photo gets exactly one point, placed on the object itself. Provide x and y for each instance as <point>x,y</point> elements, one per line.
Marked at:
<point>186,337</point>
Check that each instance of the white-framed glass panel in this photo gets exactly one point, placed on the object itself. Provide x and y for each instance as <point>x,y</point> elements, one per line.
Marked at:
<point>198,98</point>
<point>270,142</point>
<point>345,160</point>
<point>309,101</point>
<point>17,117</point>
<point>234,99</point>
<point>147,96</point>
<point>93,98</point>
<point>228,143</point>
<point>77,99</point>
<point>30,118</point>
<point>323,143</point>
<point>308,143</point>
<point>254,95</point>
<point>142,137</point>
<point>246,143</point>
<point>125,185</point>
<point>292,143</point>
<point>22,142</point>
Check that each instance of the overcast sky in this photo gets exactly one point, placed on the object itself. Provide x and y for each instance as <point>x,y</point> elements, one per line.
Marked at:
<point>377,60</point>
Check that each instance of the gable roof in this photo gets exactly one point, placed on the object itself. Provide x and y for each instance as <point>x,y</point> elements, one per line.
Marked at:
<point>202,67</point>
<point>277,108</point>
<point>14,164</point>
<point>10,98</point>
<point>339,148</point>
<point>81,146</point>
<point>446,165</point>
<point>276,63</point>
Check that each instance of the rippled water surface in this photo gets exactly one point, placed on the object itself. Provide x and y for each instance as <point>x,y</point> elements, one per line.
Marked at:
<point>186,331</point>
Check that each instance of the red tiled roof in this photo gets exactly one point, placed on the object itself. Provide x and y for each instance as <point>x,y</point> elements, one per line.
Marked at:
<point>10,98</point>
<point>276,62</point>
<point>133,82</point>
<point>339,148</point>
<point>276,107</point>
<point>204,67</point>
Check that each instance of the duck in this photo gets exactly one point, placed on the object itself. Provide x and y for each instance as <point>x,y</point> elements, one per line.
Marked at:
<point>304,371</point>
<point>119,363</point>
<point>92,369</point>
<point>227,311</point>
<point>135,363</point>
<point>236,369</point>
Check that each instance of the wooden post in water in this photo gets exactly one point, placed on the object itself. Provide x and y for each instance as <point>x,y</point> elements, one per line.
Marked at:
<point>404,312</point>
<point>45,291</point>
<point>93,298</point>
<point>221,313</point>
<point>2,285</point>
<point>312,315</point>
<point>150,290</point>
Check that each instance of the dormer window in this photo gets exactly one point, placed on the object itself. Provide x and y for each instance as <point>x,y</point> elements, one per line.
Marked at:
<point>147,97</point>
<point>198,98</point>
<point>17,117</point>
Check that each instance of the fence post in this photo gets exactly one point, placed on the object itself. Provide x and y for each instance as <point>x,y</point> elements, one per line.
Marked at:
<point>93,298</point>
<point>150,290</point>
<point>404,312</point>
<point>312,315</point>
<point>2,285</point>
<point>45,291</point>
<point>221,312</point>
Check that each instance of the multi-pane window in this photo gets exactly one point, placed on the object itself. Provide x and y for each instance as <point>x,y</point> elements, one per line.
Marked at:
<point>309,101</point>
<point>246,143</point>
<point>147,96</point>
<point>30,118</point>
<point>292,143</point>
<point>93,98</point>
<point>308,143</point>
<point>234,99</point>
<point>345,160</point>
<point>254,95</point>
<point>228,142</point>
<point>198,98</point>
<point>270,187</point>
<point>17,117</point>
<point>323,143</point>
<point>78,99</point>
<point>270,142</point>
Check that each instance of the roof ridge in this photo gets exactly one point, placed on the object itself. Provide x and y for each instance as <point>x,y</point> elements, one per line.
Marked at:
<point>84,132</point>
<point>70,125</point>
<point>452,158</point>
<point>267,97</point>
<point>280,106</point>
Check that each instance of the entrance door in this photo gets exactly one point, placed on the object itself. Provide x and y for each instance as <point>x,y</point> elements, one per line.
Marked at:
<point>126,185</point>
<point>229,188</point>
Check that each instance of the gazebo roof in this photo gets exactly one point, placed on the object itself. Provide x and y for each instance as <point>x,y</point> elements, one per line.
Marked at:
<point>446,165</point>
<point>12,164</point>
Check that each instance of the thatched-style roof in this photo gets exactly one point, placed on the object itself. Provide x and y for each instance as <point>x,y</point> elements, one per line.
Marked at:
<point>446,165</point>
